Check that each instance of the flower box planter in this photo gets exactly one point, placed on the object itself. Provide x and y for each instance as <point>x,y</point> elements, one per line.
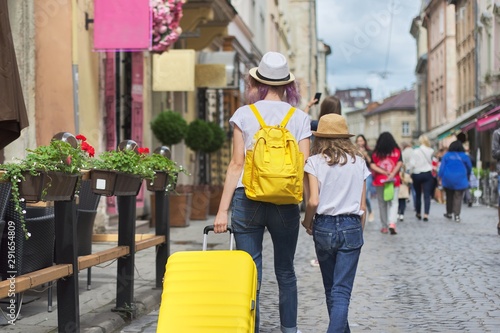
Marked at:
<point>160,182</point>
<point>108,183</point>
<point>48,186</point>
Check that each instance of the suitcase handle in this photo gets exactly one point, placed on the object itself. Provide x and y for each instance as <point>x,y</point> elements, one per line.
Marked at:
<point>209,228</point>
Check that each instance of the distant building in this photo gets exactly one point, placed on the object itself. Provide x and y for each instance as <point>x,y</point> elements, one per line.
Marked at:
<point>354,98</point>
<point>396,114</point>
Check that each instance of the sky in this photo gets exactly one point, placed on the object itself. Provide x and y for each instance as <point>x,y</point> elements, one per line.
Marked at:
<point>358,32</point>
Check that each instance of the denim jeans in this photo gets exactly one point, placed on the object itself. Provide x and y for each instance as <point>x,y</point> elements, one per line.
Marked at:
<point>249,219</point>
<point>338,241</point>
<point>423,182</point>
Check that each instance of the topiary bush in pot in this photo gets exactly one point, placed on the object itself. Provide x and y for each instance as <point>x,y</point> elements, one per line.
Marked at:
<point>215,189</point>
<point>198,138</point>
<point>169,127</point>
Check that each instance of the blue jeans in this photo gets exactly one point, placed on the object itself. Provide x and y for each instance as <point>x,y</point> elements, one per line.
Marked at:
<point>249,220</point>
<point>423,182</point>
<point>338,241</point>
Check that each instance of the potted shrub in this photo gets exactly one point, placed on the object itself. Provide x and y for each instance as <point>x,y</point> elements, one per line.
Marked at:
<point>203,137</point>
<point>121,171</point>
<point>170,128</point>
<point>48,173</point>
<point>215,190</point>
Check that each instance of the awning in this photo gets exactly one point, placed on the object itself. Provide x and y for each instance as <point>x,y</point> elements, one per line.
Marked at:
<point>489,122</point>
<point>470,125</point>
<point>448,129</point>
<point>484,122</point>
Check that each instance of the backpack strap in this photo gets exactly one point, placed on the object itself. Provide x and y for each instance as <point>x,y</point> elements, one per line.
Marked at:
<point>258,116</point>
<point>287,117</point>
<point>263,123</point>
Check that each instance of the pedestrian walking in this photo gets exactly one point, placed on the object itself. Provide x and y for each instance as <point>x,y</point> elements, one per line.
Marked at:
<point>272,89</point>
<point>495,153</point>
<point>407,151</point>
<point>454,172</point>
<point>424,182</point>
<point>386,163</point>
<point>336,218</point>
<point>439,195</point>
<point>404,193</point>
<point>366,151</point>
<point>330,104</point>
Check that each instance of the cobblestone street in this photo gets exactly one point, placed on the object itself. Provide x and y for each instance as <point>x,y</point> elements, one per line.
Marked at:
<point>436,276</point>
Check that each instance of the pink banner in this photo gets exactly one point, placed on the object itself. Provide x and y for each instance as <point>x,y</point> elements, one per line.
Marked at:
<point>122,25</point>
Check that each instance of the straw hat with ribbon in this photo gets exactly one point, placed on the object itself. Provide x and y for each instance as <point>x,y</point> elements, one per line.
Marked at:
<point>332,126</point>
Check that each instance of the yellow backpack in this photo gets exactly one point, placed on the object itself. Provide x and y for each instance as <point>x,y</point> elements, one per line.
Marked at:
<point>274,167</point>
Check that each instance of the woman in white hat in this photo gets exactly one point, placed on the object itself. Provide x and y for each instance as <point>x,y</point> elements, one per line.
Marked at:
<point>272,89</point>
<point>336,218</point>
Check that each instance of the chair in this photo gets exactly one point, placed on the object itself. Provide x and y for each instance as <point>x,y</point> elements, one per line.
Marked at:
<point>86,213</point>
<point>37,251</point>
<point>4,198</point>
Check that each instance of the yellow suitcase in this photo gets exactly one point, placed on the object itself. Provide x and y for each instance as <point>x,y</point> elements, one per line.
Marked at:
<point>208,291</point>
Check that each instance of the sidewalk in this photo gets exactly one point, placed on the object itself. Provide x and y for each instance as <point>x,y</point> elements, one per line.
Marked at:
<point>437,276</point>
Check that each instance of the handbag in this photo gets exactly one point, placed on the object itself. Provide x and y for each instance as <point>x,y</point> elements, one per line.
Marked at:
<point>388,191</point>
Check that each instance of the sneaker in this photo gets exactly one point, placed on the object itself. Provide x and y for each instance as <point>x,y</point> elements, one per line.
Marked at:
<point>384,230</point>
<point>315,263</point>
<point>392,229</point>
<point>401,218</point>
<point>457,218</point>
<point>371,217</point>
<point>448,216</point>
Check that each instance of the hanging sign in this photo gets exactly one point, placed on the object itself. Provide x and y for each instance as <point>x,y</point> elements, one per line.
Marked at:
<point>122,25</point>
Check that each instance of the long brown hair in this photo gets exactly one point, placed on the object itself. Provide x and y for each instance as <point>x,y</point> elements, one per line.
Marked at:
<point>330,104</point>
<point>336,149</point>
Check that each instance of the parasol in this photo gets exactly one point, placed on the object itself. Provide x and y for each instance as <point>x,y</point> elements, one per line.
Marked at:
<point>13,116</point>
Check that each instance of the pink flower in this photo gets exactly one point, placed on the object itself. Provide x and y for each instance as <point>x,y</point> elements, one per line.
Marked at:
<point>166,17</point>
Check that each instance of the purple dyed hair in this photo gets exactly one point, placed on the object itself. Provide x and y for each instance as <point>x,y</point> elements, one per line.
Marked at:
<point>257,91</point>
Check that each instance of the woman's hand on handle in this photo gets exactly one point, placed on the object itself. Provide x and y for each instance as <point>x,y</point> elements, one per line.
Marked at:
<point>220,223</point>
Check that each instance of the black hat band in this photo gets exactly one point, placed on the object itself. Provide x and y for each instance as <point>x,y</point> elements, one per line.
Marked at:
<point>272,80</point>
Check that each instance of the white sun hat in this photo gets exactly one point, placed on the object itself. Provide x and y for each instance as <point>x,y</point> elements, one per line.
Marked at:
<point>273,70</point>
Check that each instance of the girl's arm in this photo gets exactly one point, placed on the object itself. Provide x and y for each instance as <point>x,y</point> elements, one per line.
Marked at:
<point>363,206</point>
<point>396,169</point>
<point>378,169</point>
<point>233,174</point>
<point>312,202</point>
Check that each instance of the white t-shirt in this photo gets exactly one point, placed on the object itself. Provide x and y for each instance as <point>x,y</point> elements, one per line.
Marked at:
<point>273,113</point>
<point>421,159</point>
<point>340,186</point>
